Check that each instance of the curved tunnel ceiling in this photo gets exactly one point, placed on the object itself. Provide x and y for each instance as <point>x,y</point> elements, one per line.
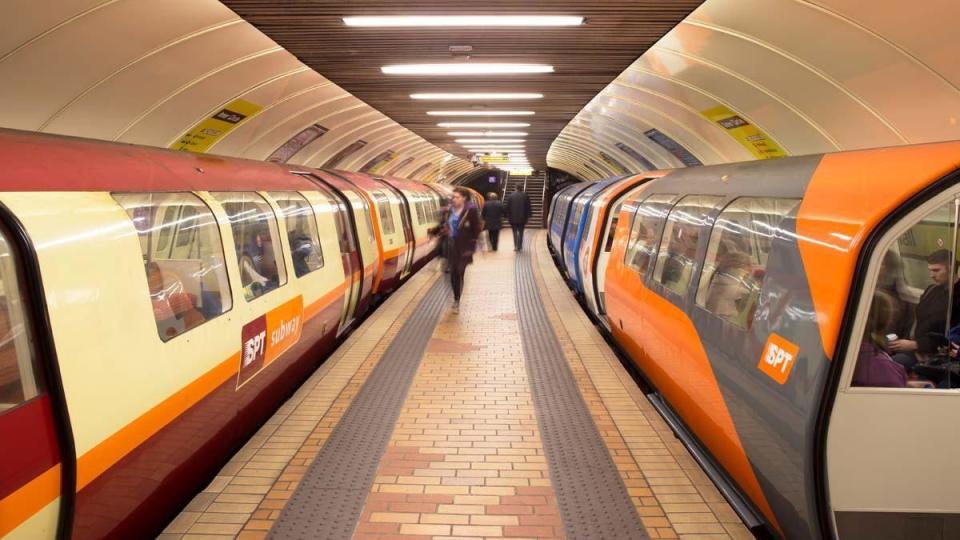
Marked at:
<point>755,79</point>
<point>586,57</point>
<point>149,72</point>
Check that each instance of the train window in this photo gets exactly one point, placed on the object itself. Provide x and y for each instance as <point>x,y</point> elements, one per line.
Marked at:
<point>736,260</point>
<point>678,249</point>
<point>575,219</point>
<point>421,211</point>
<point>18,364</point>
<point>256,240</point>
<point>642,242</point>
<point>908,340</point>
<point>183,259</point>
<point>385,212</point>
<point>302,232</point>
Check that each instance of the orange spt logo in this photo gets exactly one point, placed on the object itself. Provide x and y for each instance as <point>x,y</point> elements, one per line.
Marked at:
<point>778,358</point>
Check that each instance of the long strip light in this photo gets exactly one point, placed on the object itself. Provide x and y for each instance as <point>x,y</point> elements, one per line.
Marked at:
<point>480,112</point>
<point>466,68</point>
<point>512,148</point>
<point>483,141</point>
<point>483,124</point>
<point>492,134</point>
<point>475,96</point>
<point>464,20</point>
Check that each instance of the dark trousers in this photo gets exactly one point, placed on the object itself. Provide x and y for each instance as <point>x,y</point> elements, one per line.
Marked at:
<point>457,269</point>
<point>494,235</point>
<point>906,359</point>
<point>517,237</point>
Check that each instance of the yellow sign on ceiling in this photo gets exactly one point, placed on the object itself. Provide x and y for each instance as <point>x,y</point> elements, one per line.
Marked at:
<point>202,136</point>
<point>754,140</point>
<point>496,158</point>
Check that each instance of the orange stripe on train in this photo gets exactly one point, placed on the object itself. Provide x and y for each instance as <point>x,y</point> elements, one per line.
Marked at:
<point>847,197</point>
<point>44,489</point>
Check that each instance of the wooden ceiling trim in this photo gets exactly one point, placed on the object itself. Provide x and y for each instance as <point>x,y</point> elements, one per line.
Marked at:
<point>586,58</point>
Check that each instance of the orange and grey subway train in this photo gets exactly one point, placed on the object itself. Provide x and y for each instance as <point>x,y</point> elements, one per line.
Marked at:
<point>745,295</point>
<point>156,307</point>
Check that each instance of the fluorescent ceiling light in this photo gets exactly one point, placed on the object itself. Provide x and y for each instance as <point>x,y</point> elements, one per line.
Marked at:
<point>480,112</point>
<point>466,68</point>
<point>477,95</point>
<point>487,134</point>
<point>464,20</point>
<point>483,124</point>
<point>482,141</point>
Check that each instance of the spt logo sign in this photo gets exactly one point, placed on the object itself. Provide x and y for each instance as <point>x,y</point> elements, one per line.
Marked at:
<point>268,336</point>
<point>778,358</point>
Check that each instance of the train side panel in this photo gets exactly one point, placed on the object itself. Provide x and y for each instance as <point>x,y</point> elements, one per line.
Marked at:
<point>758,429</point>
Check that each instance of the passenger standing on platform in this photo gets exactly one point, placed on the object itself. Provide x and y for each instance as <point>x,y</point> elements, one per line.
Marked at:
<point>459,230</point>
<point>518,212</point>
<point>492,217</point>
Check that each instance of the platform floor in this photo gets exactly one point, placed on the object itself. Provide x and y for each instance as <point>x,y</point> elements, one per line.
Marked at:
<point>470,452</point>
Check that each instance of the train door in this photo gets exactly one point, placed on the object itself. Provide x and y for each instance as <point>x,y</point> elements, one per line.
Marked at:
<point>605,246</point>
<point>410,241</point>
<point>595,284</point>
<point>349,255</point>
<point>37,460</point>
<point>892,437</point>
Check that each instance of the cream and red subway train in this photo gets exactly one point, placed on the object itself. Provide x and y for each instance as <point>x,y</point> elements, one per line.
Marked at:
<point>759,301</point>
<point>155,308</point>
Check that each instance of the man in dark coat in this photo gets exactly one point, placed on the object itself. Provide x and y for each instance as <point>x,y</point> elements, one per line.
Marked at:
<point>492,217</point>
<point>518,212</point>
<point>930,313</point>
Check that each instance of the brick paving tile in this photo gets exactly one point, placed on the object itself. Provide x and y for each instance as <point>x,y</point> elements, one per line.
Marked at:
<point>468,430</point>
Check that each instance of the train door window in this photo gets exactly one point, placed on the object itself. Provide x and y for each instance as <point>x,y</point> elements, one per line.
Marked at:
<point>642,242</point>
<point>907,330</point>
<point>183,259</point>
<point>364,220</point>
<point>575,218</point>
<point>681,234</point>
<point>385,212</point>
<point>18,365</point>
<point>612,228</point>
<point>256,241</point>
<point>736,260</point>
<point>302,232</point>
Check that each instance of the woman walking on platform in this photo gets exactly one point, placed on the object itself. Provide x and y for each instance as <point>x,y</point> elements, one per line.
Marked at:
<point>459,229</point>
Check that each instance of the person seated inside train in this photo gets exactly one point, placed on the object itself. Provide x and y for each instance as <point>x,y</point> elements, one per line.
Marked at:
<point>681,252</point>
<point>874,366</point>
<point>930,314</point>
<point>642,238</point>
<point>258,264</point>
<point>729,288</point>
<point>173,308</point>
<point>303,252</point>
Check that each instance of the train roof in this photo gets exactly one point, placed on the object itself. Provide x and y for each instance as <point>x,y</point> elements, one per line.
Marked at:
<point>40,162</point>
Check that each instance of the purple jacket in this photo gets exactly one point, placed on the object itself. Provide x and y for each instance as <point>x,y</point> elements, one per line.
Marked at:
<point>876,368</point>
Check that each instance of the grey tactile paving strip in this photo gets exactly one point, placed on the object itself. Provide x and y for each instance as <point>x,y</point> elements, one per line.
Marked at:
<point>592,498</point>
<point>328,501</point>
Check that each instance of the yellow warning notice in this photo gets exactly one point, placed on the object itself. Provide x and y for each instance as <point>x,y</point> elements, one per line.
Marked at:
<point>754,140</point>
<point>202,136</point>
<point>494,158</point>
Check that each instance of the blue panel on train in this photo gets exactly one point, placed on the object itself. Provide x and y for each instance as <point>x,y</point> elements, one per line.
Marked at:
<point>578,227</point>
